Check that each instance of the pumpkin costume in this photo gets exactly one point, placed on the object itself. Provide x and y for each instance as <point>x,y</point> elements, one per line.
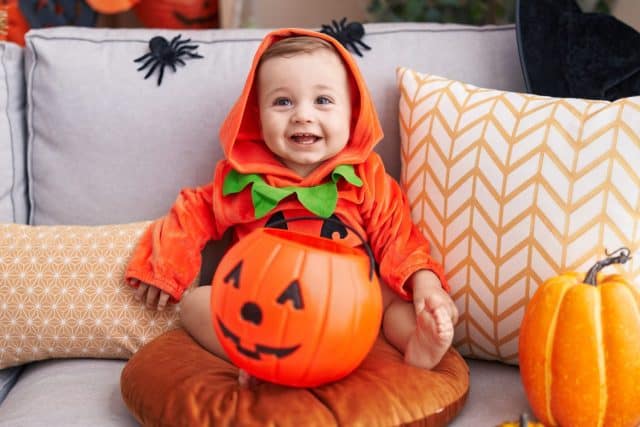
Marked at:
<point>251,188</point>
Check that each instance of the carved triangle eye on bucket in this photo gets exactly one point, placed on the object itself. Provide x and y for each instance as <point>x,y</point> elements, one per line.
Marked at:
<point>163,53</point>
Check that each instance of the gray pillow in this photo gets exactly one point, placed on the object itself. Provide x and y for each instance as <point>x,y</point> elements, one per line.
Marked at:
<point>107,146</point>
<point>13,190</point>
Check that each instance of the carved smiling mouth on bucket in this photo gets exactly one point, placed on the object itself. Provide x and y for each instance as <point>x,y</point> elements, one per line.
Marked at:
<point>278,352</point>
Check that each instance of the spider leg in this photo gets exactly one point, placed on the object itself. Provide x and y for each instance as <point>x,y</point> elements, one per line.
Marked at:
<point>181,61</point>
<point>151,70</point>
<point>146,64</point>
<point>143,57</point>
<point>363,44</point>
<point>182,42</point>
<point>326,27</point>
<point>174,41</point>
<point>173,67</point>
<point>343,21</point>
<point>161,74</point>
<point>184,49</point>
<point>354,47</point>
<point>193,55</point>
<point>336,25</point>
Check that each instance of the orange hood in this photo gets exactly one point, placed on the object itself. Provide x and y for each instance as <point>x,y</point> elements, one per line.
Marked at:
<point>242,141</point>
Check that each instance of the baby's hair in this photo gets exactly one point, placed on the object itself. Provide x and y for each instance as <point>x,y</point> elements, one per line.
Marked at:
<point>294,45</point>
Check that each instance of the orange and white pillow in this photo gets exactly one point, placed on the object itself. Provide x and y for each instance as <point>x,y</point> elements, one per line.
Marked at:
<point>512,189</point>
<point>62,294</point>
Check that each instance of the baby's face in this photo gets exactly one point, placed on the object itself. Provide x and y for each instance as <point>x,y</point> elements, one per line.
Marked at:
<point>305,108</point>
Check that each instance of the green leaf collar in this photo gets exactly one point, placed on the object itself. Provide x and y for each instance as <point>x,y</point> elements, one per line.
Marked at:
<point>320,199</point>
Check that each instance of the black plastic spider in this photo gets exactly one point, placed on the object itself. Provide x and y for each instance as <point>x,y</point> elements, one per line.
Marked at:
<point>165,53</point>
<point>347,34</point>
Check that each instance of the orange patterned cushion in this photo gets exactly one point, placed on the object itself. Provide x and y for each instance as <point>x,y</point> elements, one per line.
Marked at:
<point>173,381</point>
<point>62,294</point>
<point>513,189</point>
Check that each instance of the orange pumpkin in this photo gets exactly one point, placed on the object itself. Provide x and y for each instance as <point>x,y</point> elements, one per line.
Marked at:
<point>579,349</point>
<point>295,309</point>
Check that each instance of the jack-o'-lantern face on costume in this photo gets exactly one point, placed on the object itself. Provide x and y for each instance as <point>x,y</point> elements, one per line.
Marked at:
<point>295,309</point>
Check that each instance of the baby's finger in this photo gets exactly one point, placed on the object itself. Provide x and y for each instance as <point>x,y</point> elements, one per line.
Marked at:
<point>152,296</point>
<point>418,305</point>
<point>434,301</point>
<point>162,301</point>
<point>142,288</point>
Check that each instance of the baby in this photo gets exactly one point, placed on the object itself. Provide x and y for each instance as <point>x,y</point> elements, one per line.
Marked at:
<point>305,120</point>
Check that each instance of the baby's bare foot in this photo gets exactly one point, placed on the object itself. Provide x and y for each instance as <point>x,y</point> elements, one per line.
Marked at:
<point>431,340</point>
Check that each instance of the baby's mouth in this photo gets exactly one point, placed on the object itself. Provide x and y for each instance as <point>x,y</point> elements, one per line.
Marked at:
<point>304,138</point>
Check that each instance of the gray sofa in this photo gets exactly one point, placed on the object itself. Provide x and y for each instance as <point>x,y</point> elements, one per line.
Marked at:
<point>84,139</point>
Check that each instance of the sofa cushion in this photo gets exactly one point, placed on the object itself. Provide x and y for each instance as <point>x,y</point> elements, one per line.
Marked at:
<point>69,393</point>
<point>383,390</point>
<point>63,294</point>
<point>49,393</point>
<point>513,189</point>
<point>108,146</point>
<point>13,188</point>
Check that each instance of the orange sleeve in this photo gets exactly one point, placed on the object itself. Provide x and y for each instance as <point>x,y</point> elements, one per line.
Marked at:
<point>168,253</point>
<point>399,247</point>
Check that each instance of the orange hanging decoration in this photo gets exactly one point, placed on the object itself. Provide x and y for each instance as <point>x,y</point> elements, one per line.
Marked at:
<point>295,309</point>
<point>174,14</point>
<point>178,14</point>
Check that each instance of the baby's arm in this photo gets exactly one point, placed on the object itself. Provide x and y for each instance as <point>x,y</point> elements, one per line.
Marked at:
<point>167,258</point>
<point>399,246</point>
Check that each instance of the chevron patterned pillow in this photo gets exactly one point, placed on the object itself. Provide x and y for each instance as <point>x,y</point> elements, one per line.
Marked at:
<point>62,294</point>
<point>512,189</point>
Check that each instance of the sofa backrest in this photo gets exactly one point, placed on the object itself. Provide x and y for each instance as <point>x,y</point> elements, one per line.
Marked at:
<point>13,180</point>
<point>107,146</point>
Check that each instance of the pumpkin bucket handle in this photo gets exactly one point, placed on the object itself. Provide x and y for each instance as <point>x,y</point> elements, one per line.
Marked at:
<point>367,248</point>
<point>619,256</point>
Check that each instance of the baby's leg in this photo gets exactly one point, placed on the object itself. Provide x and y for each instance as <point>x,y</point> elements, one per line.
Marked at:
<point>195,315</point>
<point>423,339</point>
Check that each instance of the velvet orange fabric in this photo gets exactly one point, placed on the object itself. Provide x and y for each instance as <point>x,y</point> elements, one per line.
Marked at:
<point>168,255</point>
<point>196,388</point>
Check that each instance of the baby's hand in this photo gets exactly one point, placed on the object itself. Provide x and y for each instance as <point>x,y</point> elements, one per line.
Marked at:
<point>429,295</point>
<point>436,315</point>
<point>154,298</point>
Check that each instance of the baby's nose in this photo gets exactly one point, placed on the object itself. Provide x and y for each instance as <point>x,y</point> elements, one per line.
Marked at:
<point>303,114</point>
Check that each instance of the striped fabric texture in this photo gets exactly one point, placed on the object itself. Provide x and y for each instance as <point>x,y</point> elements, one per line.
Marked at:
<point>513,189</point>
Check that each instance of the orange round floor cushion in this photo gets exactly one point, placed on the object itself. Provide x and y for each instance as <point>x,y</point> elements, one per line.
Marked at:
<point>172,381</point>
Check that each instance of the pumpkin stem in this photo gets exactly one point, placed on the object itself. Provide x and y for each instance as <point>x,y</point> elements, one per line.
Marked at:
<point>524,420</point>
<point>619,256</point>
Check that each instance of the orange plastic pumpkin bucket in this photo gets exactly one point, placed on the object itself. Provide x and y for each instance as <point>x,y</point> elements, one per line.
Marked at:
<point>295,309</point>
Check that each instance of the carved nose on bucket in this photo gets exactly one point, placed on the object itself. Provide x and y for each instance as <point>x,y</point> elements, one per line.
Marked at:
<point>251,313</point>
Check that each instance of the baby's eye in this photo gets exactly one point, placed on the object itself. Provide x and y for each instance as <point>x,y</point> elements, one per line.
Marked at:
<point>282,102</point>
<point>323,100</point>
